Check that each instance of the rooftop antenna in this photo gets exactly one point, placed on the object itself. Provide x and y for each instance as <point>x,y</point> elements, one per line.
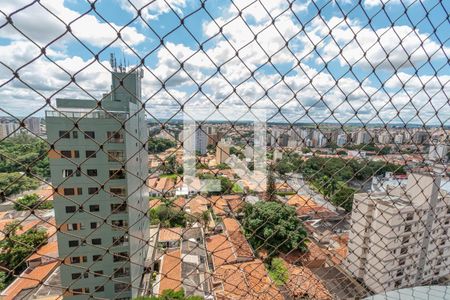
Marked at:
<point>113,62</point>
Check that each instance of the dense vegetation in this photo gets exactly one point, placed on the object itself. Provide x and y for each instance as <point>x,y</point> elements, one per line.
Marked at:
<point>15,248</point>
<point>157,145</point>
<point>13,183</point>
<point>330,176</point>
<point>19,155</point>
<point>168,216</point>
<point>274,227</point>
<point>31,201</point>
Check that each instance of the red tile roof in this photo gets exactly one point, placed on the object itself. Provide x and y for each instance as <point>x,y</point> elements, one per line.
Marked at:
<point>170,271</point>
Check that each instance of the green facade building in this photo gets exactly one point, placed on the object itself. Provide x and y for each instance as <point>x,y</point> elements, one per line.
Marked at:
<point>99,168</point>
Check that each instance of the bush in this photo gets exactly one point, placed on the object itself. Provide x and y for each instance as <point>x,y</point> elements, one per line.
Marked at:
<point>278,271</point>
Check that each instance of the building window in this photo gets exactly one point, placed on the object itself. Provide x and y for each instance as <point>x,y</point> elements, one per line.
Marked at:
<point>98,273</point>
<point>117,156</point>
<point>69,191</point>
<point>94,225</point>
<point>117,174</point>
<point>118,191</point>
<point>78,275</point>
<point>67,173</point>
<point>79,191</point>
<point>118,208</point>
<point>91,154</point>
<point>93,190</point>
<point>70,209</point>
<point>89,135</point>
<point>74,243</point>
<point>121,256</point>
<point>75,134</point>
<point>120,241</point>
<point>121,224</point>
<point>99,288</point>
<point>121,272</point>
<point>94,208</point>
<point>74,226</point>
<point>76,154</point>
<point>121,287</point>
<point>115,137</point>
<point>96,241</point>
<point>409,216</point>
<point>97,257</point>
<point>63,134</point>
<point>78,259</point>
<point>91,172</point>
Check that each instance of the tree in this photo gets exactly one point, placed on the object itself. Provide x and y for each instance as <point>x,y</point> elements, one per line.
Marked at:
<point>15,182</point>
<point>278,272</point>
<point>171,295</point>
<point>167,216</point>
<point>157,145</point>
<point>3,281</point>
<point>22,152</point>
<point>274,227</point>
<point>15,248</point>
<point>344,197</point>
<point>270,194</point>
<point>31,201</point>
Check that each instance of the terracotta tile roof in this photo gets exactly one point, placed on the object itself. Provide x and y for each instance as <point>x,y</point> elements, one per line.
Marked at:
<point>154,203</point>
<point>306,206</point>
<point>49,250</point>
<point>237,238</point>
<point>302,283</point>
<point>170,271</point>
<point>28,280</point>
<point>197,205</point>
<point>221,250</point>
<point>179,202</point>
<point>224,204</point>
<point>248,280</point>
<point>169,234</point>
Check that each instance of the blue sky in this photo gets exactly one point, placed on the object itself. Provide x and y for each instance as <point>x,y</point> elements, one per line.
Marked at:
<point>318,71</point>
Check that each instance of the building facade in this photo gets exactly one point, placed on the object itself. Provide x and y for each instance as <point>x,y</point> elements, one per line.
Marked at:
<point>99,168</point>
<point>400,237</point>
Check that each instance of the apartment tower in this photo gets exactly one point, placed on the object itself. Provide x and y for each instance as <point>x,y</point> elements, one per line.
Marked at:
<point>98,167</point>
<point>400,237</point>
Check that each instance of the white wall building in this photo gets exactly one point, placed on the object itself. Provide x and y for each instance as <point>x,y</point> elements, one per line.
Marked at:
<point>400,238</point>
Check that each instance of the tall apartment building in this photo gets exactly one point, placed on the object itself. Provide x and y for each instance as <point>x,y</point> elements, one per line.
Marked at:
<point>400,237</point>
<point>222,152</point>
<point>33,124</point>
<point>99,167</point>
<point>363,138</point>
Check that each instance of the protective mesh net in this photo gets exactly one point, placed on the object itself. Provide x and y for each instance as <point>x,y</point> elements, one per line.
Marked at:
<point>224,149</point>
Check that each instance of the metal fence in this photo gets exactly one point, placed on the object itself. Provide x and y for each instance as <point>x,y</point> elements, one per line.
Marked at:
<point>224,149</point>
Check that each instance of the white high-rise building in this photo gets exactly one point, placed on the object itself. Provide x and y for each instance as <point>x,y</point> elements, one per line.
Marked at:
<point>400,237</point>
<point>341,140</point>
<point>33,124</point>
<point>438,152</point>
<point>363,137</point>
<point>398,139</point>
<point>384,138</point>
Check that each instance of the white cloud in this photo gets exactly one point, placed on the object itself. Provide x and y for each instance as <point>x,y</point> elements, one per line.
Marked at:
<point>40,25</point>
<point>151,10</point>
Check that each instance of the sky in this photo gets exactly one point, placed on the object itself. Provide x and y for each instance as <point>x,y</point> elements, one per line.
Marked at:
<point>321,61</point>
